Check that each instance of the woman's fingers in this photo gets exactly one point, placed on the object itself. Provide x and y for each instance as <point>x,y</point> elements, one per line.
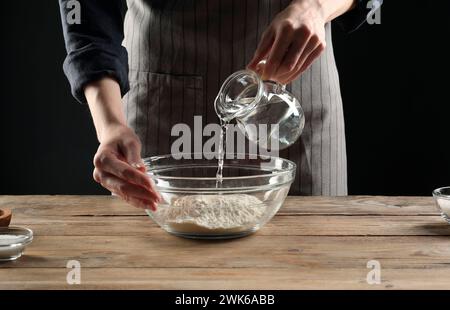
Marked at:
<point>135,195</point>
<point>302,66</point>
<point>262,50</point>
<point>108,162</point>
<point>310,46</point>
<point>120,169</point>
<point>313,56</point>
<point>313,44</point>
<point>296,32</point>
<point>131,149</point>
<point>277,52</point>
<point>298,48</point>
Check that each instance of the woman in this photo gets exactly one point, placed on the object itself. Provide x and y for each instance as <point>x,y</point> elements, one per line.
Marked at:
<point>175,56</point>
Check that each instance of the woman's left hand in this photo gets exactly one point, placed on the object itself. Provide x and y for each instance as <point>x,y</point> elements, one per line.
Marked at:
<point>294,39</point>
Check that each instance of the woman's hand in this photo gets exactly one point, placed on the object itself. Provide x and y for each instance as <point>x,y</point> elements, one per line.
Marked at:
<point>119,168</point>
<point>295,38</point>
<point>118,164</point>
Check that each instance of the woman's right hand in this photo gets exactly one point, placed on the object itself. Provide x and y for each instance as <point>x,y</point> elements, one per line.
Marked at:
<point>120,169</point>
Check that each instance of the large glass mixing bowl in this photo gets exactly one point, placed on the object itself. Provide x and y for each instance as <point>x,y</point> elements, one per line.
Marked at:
<point>195,205</point>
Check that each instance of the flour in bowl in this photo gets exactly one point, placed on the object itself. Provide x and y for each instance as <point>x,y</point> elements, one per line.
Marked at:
<point>214,214</point>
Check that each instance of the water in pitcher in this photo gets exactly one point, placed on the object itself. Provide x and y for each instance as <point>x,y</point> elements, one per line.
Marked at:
<point>275,121</point>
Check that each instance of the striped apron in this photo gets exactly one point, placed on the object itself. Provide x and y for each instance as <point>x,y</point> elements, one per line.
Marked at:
<point>180,52</point>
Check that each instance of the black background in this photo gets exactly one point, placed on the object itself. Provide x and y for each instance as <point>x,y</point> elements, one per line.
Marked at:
<point>394,79</point>
<point>374,299</point>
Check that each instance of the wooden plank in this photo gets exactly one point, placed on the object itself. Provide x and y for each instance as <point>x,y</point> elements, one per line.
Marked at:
<point>108,205</point>
<point>224,278</point>
<point>166,251</point>
<point>287,225</point>
<point>359,205</point>
<point>67,205</point>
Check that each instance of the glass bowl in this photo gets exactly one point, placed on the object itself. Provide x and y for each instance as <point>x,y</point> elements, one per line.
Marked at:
<point>13,241</point>
<point>196,205</point>
<point>442,197</point>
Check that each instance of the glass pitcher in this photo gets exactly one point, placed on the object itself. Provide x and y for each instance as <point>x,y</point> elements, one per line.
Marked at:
<point>263,110</point>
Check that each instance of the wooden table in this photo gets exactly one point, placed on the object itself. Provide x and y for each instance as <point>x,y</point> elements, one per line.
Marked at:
<point>312,243</point>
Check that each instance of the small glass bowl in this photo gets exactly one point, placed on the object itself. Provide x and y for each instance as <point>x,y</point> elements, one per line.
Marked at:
<point>13,241</point>
<point>442,197</point>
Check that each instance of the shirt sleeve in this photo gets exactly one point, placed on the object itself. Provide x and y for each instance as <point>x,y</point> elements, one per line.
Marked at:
<point>358,16</point>
<point>94,43</point>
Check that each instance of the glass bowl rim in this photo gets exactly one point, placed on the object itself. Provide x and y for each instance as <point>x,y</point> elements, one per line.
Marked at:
<point>28,235</point>
<point>292,168</point>
<point>437,193</point>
